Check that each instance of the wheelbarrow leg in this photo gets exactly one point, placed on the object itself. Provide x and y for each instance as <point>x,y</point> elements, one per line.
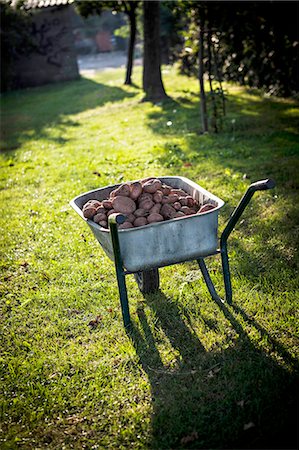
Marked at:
<point>207,278</point>
<point>115,219</point>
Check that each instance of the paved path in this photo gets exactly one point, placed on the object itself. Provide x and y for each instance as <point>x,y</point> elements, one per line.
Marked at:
<point>103,61</point>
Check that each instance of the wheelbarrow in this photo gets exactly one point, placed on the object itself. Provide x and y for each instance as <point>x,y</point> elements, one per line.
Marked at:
<point>142,251</point>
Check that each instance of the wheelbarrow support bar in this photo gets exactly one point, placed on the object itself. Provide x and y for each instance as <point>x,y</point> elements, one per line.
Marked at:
<point>257,186</point>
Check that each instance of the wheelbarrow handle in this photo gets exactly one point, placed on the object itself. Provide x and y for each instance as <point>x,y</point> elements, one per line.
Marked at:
<point>261,185</point>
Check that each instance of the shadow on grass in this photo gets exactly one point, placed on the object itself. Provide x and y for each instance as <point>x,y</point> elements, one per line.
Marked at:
<point>237,398</point>
<point>42,112</point>
<point>255,132</point>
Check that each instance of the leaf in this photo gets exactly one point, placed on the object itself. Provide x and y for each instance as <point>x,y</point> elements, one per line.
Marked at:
<point>249,425</point>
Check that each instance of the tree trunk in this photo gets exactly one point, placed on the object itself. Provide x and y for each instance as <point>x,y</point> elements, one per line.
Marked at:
<point>203,103</point>
<point>152,79</point>
<point>132,19</point>
<point>209,39</point>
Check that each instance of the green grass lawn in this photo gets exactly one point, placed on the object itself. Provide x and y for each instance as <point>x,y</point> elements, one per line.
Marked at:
<point>191,374</point>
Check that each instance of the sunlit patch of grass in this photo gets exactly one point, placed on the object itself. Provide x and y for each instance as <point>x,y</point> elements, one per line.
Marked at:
<point>191,374</point>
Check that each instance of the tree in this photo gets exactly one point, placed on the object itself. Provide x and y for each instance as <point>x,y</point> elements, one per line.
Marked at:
<point>87,8</point>
<point>15,41</point>
<point>152,79</point>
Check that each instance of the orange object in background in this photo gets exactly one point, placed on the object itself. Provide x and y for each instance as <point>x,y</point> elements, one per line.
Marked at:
<point>103,41</point>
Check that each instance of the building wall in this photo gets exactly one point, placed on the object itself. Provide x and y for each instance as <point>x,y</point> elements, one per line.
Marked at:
<point>53,58</point>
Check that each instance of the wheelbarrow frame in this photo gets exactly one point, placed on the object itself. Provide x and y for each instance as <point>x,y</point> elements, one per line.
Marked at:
<point>148,280</point>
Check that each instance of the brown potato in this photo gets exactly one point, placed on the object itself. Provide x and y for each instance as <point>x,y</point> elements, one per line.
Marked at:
<point>152,186</point>
<point>167,211</point>
<point>179,192</point>
<point>122,190</point>
<point>99,217</point>
<point>157,197</point>
<point>103,223</point>
<point>145,196</point>
<point>125,226</point>
<point>89,211</point>
<point>171,198</point>
<point>130,218</point>
<point>107,204</point>
<point>183,201</point>
<point>206,207</point>
<point>145,180</point>
<point>165,189</point>
<point>179,214</point>
<point>156,208</point>
<point>123,204</point>
<point>94,203</point>
<point>140,212</point>
<point>188,211</point>
<point>190,201</point>
<point>177,206</point>
<point>135,190</point>
<point>112,211</point>
<point>155,217</point>
<point>140,221</point>
<point>101,209</point>
<point>146,204</point>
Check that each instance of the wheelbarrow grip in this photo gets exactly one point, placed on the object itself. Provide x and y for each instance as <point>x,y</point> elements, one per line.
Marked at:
<point>262,185</point>
<point>117,218</point>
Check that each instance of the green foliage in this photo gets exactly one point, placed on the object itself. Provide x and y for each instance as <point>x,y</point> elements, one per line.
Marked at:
<point>15,40</point>
<point>257,42</point>
<point>192,374</point>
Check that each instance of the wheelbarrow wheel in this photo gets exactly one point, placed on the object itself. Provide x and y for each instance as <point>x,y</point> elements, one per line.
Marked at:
<point>148,280</point>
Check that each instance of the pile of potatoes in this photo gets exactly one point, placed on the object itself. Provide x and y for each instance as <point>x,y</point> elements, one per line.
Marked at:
<point>144,202</point>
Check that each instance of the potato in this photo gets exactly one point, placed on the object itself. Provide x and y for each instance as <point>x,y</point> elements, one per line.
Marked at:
<point>190,201</point>
<point>165,189</point>
<point>101,209</point>
<point>123,204</point>
<point>103,224</point>
<point>99,217</point>
<point>125,226</point>
<point>145,180</point>
<point>157,197</point>
<point>179,214</point>
<point>167,211</point>
<point>183,201</point>
<point>135,190</point>
<point>112,211</point>
<point>140,221</point>
<point>177,206</point>
<point>179,192</point>
<point>146,204</point>
<point>156,208</point>
<point>152,186</point>
<point>206,207</point>
<point>130,218</point>
<point>122,190</point>
<point>94,203</point>
<point>171,198</point>
<point>144,196</point>
<point>107,204</point>
<point>140,212</point>
<point>89,211</point>
<point>155,217</point>
<point>188,211</point>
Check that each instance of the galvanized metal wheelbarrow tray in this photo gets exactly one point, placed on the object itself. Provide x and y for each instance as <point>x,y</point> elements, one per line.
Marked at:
<point>142,251</point>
